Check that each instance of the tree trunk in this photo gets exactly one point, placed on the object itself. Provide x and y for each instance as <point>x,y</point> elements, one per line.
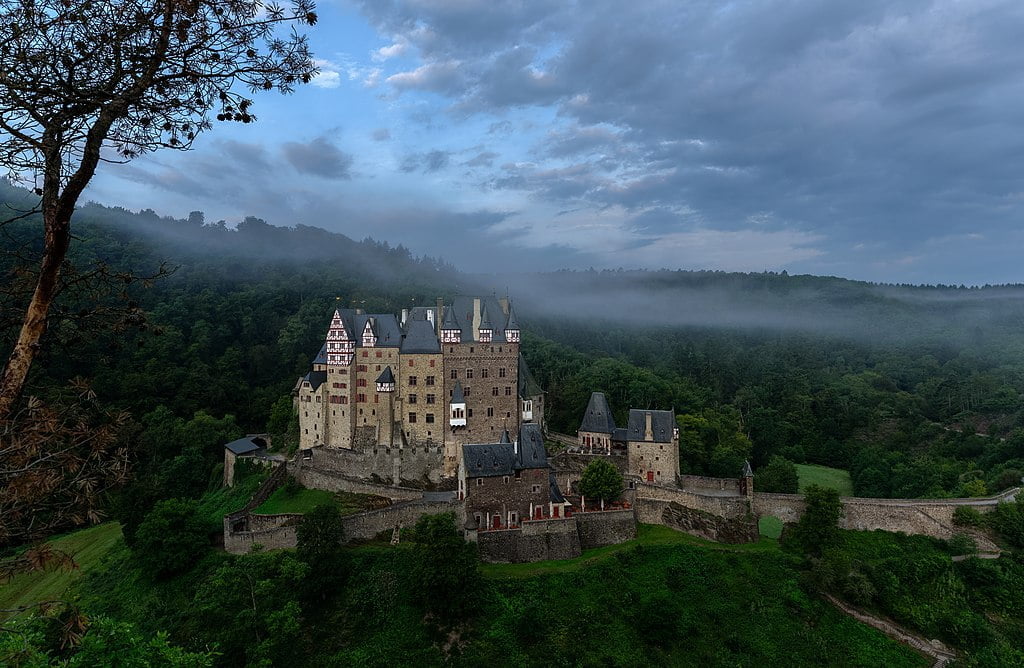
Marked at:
<point>57,237</point>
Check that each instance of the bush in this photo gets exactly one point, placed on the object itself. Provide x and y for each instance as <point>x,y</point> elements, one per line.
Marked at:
<point>963,544</point>
<point>778,476</point>
<point>818,528</point>
<point>171,538</point>
<point>601,480</point>
<point>966,516</point>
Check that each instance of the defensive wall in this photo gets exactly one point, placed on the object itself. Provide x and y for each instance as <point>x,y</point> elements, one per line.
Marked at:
<point>701,523</point>
<point>556,538</point>
<point>334,481</point>
<point>700,482</point>
<point>723,505</point>
<point>411,466</point>
<point>272,532</point>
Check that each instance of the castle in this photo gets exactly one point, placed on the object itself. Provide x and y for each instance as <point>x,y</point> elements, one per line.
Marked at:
<point>396,397</point>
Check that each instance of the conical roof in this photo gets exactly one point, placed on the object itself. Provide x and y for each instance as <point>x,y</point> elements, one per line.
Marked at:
<point>747,471</point>
<point>505,438</point>
<point>450,321</point>
<point>485,318</point>
<point>512,322</point>
<point>386,376</point>
<point>598,416</point>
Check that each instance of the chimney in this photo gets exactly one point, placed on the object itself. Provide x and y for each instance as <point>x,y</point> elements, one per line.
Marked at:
<point>405,316</point>
<point>648,429</point>
<point>476,318</point>
<point>439,318</point>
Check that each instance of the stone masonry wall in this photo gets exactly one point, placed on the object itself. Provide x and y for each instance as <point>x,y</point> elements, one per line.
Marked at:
<point>416,465</point>
<point>273,532</point>
<point>366,525</point>
<point>538,540</point>
<point>605,528</point>
<point>335,482</point>
<point>699,482</point>
<point>723,506</point>
<point>697,522</point>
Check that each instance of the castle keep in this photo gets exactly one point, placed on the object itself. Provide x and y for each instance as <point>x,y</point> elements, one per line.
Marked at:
<point>396,397</point>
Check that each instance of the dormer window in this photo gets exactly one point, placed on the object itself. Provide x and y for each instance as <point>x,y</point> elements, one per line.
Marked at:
<point>485,335</point>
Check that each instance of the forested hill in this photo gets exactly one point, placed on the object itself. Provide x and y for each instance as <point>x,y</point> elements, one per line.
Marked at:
<point>876,379</point>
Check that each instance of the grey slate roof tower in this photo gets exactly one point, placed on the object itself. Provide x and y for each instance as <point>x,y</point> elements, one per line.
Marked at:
<point>598,416</point>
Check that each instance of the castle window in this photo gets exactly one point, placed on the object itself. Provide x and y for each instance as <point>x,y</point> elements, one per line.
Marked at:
<point>412,398</point>
<point>430,419</point>
<point>469,373</point>
<point>366,353</point>
<point>501,372</point>
<point>508,414</point>
<point>519,475</point>
<point>361,367</point>
<point>430,380</point>
<point>431,398</point>
<point>362,399</point>
<point>432,362</point>
<point>412,380</point>
<point>379,353</point>
<point>361,382</point>
<point>465,392</point>
<point>373,412</point>
<point>479,481</point>
<point>451,349</point>
<point>344,400</point>
<point>305,431</point>
<point>376,398</point>
<point>483,373</point>
<point>490,412</point>
<point>469,413</point>
<point>412,418</point>
<point>378,367</point>
<point>494,391</point>
<point>471,349</point>
<point>536,489</point>
<point>318,398</point>
<point>504,479</point>
<point>508,391</point>
<point>499,349</point>
<point>454,374</point>
<point>412,362</point>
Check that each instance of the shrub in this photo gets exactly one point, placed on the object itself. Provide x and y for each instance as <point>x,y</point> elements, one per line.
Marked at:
<point>601,480</point>
<point>171,538</point>
<point>966,516</point>
<point>778,476</point>
<point>963,544</point>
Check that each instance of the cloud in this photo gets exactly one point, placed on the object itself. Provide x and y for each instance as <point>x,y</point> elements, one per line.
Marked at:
<point>482,159</point>
<point>328,76</point>
<point>381,134</point>
<point>318,157</point>
<point>431,161</point>
<point>390,51</point>
<point>445,77</point>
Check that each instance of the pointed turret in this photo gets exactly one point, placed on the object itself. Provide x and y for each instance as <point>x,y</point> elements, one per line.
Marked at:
<point>370,333</point>
<point>747,471</point>
<point>457,407</point>
<point>451,331</point>
<point>340,343</point>
<point>486,327</point>
<point>386,380</point>
<point>512,326</point>
<point>505,438</point>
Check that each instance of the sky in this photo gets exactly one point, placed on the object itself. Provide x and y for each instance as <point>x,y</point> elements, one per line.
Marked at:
<point>876,140</point>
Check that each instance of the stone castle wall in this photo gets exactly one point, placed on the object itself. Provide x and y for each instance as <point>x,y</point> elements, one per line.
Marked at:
<point>272,532</point>
<point>366,525</point>
<point>605,528</point>
<point>699,482</point>
<point>740,529</point>
<point>331,481</point>
<point>416,466</point>
<point>728,506</point>
<point>556,538</point>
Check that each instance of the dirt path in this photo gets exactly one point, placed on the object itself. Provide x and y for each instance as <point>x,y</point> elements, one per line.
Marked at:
<point>933,649</point>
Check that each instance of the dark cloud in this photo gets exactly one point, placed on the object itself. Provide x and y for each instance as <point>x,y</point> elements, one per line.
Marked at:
<point>482,159</point>
<point>319,157</point>
<point>890,122</point>
<point>431,161</point>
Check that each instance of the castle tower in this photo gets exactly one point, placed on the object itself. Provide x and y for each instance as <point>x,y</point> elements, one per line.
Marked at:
<point>386,422</point>
<point>341,346</point>
<point>451,331</point>
<point>511,327</point>
<point>747,483</point>
<point>486,327</point>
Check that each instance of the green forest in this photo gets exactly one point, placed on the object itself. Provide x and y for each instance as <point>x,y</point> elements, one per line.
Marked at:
<point>914,391</point>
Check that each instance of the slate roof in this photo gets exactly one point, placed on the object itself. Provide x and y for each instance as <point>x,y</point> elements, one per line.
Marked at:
<point>511,323</point>
<point>420,337</point>
<point>385,326</point>
<point>485,317</point>
<point>528,385</point>
<point>555,492</point>
<point>463,310</point>
<point>386,376</point>
<point>504,437</point>
<point>598,416</point>
<point>243,446</point>
<point>619,434</point>
<point>450,321</point>
<point>457,395</point>
<point>662,425</point>
<point>321,357</point>
<point>532,454</point>
<point>316,378</point>
<point>484,460</point>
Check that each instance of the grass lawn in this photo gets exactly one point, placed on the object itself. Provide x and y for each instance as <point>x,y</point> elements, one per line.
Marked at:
<point>86,546</point>
<point>305,500</point>
<point>770,527</point>
<point>823,476</point>
<point>646,534</point>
